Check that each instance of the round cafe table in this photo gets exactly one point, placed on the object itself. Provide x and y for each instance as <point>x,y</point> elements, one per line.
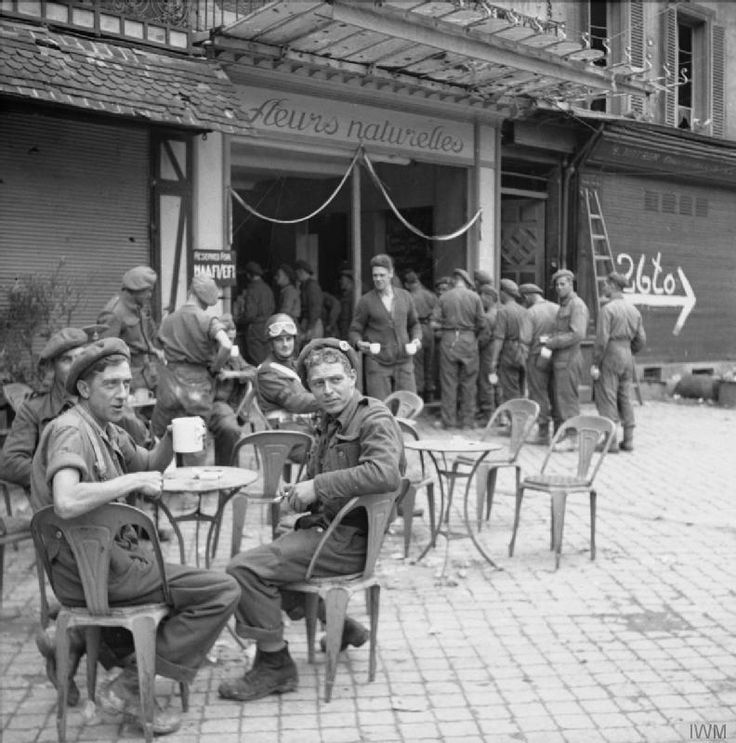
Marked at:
<point>225,481</point>
<point>440,451</point>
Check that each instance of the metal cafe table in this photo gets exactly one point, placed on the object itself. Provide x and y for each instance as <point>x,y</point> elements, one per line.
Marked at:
<point>440,451</point>
<point>225,481</point>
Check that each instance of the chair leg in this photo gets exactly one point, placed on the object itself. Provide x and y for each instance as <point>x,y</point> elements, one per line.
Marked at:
<point>559,498</point>
<point>432,513</point>
<point>184,694</point>
<point>407,508</point>
<point>62,673</point>
<point>311,603</point>
<point>517,514</point>
<point>491,490</point>
<point>275,516</point>
<point>373,610</point>
<point>240,504</point>
<point>336,604</point>
<point>593,501</point>
<point>144,640</point>
<point>551,525</point>
<point>92,648</point>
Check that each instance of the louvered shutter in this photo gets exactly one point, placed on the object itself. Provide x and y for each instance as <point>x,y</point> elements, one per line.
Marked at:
<point>670,58</point>
<point>718,83</point>
<point>636,44</point>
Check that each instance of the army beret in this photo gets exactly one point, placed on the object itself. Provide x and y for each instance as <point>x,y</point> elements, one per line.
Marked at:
<point>510,287</point>
<point>63,340</point>
<point>139,278</point>
<point>562,273</point>
<point>205,289</point>
<point>91,355</point>
<point>464,275</point>
<point>482,277</point>
<point>253,268</point>
<point>304,266</point>
<point>319,343</point>
<point>347,272</point>
<point>411,278</point>
<point>619,279</point>
<point>442,280</point>
<point>288,272</point>
<point>530,289</point>
<point>488,289</point>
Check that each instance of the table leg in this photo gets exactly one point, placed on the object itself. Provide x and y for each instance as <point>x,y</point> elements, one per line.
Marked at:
<point>175,526</point>
<point>471,479</point>
<point>439,520</point>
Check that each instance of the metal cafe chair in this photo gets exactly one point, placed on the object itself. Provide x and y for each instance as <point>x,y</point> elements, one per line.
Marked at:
<point>336,591</point>
<point>90,539</point>
<point>404,404</point>
<point>591,430</point>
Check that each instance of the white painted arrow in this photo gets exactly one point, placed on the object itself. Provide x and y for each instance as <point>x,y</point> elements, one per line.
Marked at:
<point>686,301</point>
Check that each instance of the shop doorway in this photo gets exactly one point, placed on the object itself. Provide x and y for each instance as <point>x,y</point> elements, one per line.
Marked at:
<point>522,239</point>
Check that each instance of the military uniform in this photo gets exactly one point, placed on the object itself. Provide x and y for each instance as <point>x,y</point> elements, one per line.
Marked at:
<point>567,359</point>
<point>290,302</point>
<point>424,301</point>
<point>360,451</point>
<point>486,391</point>
<point>459,313</point>
<point>511,335</point>
<point>312,304</point>
<point>201,600</point>
<point>619,330</point>
<point>259,306</point>
<point>543,317</point>
<point>223,421</point>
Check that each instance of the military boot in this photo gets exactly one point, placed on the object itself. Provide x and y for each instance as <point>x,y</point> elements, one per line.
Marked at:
<point>353,633</point>
<point>542,437</point>
<point>272,673</point>
<point>628,443</point>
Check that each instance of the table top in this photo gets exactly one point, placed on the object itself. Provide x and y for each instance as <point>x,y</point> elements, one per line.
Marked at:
<point>449,444</point>
<point>203,479</point>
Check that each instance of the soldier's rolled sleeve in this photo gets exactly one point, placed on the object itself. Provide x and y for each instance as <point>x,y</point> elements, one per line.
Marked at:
<point>377,471</point>
<point>66,451</point>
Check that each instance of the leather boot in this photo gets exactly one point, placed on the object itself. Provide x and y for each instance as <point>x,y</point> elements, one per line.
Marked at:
<point>46,644</point>
<point>353,633</point>
<point>272,673</point>
<point>628,443</point>
<point>542,438</point>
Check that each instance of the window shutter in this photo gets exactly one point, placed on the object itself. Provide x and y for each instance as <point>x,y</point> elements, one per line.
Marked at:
<point>718,88</point>
<point>636,44</point>
<point>670,58</point>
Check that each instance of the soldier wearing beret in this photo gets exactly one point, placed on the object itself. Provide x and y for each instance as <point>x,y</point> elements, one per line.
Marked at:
<point>619,334</point>
<point>196,346</point>
<point>289,301</point>
<point>386,315</point>
<point>358,450</point>
<point>486,391</point>
<point>571,327</point>
<point>40,409</point>
<point>259,306</point>
<point>312,301</point>
<point>511,338</point>
<point>543,317</point>
<point>459,316</point>
<point>84,460</point>
<point>424,301</point>
<point>128,316</point>
<point>346,284</point>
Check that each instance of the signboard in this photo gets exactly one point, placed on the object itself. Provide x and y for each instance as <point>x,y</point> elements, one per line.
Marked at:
<point>295,117</point>
<point>219,264</point>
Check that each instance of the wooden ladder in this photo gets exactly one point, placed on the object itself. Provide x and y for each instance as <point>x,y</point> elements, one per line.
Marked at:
<point>601,256</point>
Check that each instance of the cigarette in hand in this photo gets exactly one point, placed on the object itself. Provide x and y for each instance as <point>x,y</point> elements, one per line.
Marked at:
<point>285,493</point>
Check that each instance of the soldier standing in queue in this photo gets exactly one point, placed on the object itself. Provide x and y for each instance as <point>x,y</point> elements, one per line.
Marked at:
<point>567,358</point>
<point>486,390</point>
<point>542,315</point>
<point>346,284</point>
<point>620,333</point>
<point>259,306</point>
<point>511,336</point>
<point>312,302</point>
<point>459,315</point>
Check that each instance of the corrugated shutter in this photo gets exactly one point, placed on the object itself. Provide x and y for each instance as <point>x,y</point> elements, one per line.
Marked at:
<point>670,58</point>
<point>718,111</point>
<point>73,189</point>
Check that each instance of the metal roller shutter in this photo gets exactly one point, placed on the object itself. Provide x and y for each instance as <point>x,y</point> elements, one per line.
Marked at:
<point>76,190</point>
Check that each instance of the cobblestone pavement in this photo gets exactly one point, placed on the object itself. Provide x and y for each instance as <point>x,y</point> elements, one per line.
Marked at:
<point>635,646</point>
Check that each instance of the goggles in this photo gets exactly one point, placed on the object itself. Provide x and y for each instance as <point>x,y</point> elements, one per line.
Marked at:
<point>283,327</point>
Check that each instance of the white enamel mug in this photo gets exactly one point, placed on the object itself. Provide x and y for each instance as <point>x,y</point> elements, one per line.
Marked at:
<point>188,434</point>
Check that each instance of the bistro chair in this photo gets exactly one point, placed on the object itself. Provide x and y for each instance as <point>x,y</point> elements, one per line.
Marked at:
<point>404,404</point>
<point>418,479</point>
<point>591,431</point>
<point>90,538</point>
<point>336,591</point>
<point>523,414</point>
<point>272,449</point>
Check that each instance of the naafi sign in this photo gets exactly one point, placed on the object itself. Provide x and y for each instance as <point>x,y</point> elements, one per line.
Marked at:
<point>650,286</point>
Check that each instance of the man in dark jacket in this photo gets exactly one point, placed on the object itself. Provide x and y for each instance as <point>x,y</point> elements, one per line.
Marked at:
<point>424,302</point>
<point>358,451</point>
<point>386,329</point>
<point>312,302</point>
<point>620,333</point>
<point>259,306</point>
<point>459,315</point>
